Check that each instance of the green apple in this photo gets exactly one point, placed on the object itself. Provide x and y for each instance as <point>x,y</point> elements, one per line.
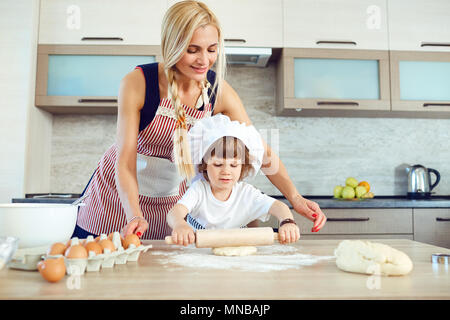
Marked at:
<point>351,182</point>
<point>337,192</point>
<point>360,191</point>
<point>348,192</point>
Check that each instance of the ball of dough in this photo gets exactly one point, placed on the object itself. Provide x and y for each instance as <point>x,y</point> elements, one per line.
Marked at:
<point>371,258</point>
<point>234,251</point>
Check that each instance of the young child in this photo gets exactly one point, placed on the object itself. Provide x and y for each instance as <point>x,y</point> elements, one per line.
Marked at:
<point>226,152</point>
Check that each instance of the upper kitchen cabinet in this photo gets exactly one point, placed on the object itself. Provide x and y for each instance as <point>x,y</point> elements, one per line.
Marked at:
<point>86,78</point>
<point>420,82</point>
<point>332,82</point>
<point>344,24</point>
<point>419,25</point>
<point>249,23</point>
<point>111,22</point>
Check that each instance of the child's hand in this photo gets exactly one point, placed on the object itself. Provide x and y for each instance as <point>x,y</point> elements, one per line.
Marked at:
<point>288,233</point>
<point>183,235</point>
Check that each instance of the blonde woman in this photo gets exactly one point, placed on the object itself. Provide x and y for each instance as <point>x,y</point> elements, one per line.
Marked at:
<point>143,174</point>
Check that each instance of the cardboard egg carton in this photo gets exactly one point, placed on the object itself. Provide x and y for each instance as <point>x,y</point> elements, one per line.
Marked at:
<point>107,259</point>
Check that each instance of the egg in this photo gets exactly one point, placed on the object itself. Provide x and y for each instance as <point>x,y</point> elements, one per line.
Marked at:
<point>107,244</point>
<point>76,252</point>
<point>93,246</point>
<point>131,239</point>
<point>56,248</point>
<point>52,270</point>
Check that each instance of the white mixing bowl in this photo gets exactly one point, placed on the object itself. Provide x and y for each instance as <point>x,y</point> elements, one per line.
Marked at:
<point>37,224</point>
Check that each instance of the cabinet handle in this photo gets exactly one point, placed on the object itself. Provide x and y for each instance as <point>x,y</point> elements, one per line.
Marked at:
<point>347,219</point>
<point>338,103</point>
<point>442,219</point>
<point>102,38</point>
<point>336,42</point>
<point>235,40</point>
<point>97,100</point>
<point>436,104</point>
<point>434,44</point>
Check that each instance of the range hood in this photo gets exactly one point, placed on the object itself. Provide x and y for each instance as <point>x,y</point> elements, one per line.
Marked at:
<point>247,56</point>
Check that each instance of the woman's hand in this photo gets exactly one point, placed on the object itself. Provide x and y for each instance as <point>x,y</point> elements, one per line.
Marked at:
<point>288,233</point>
<point>310,210</point>
<point>183,235</point>
<point>137,225</point>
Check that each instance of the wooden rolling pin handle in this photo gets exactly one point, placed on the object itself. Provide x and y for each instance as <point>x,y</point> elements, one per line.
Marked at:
<point>275,236</point>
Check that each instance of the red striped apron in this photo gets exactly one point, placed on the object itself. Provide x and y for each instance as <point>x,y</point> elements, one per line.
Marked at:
<point>103,211</point>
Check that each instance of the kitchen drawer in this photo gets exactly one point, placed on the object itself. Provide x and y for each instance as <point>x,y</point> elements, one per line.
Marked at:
<point>361,221</point>
<point>432,226</point>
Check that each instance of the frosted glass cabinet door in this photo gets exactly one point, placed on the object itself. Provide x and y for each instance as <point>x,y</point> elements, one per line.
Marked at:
<point>86,79</point>
<point>89,75</point>
<point>420,81</point>
<point>336,78</point>
<point>328,81</point>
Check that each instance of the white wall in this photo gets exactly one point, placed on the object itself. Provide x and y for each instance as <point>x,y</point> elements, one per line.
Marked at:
<point>18,47</point>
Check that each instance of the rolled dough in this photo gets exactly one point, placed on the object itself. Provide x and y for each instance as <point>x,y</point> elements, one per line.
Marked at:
<point>234,251</point>
<point>371,258</point>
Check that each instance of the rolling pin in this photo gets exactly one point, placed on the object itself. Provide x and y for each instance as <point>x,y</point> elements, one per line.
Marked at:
<point>218,238</point>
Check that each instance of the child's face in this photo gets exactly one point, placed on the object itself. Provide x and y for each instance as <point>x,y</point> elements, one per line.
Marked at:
<point>223,173</point>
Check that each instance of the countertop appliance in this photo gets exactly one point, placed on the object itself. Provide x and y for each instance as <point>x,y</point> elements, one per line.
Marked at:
<point>419,181</point>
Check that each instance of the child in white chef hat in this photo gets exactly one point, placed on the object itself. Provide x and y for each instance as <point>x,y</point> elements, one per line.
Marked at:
<point>225,152</point>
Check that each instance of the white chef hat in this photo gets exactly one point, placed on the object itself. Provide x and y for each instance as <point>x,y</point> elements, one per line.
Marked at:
<point>208,130</point>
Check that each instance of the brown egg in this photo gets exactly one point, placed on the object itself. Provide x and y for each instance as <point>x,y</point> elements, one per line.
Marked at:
<point>52,270</point>
<point>57,248</point>
<point>93,246</point>
<point>76,252</point>
<point>107,244</point>
<point>131,239</point>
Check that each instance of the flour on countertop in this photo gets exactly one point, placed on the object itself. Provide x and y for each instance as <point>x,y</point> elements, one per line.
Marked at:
<point>268,258</point>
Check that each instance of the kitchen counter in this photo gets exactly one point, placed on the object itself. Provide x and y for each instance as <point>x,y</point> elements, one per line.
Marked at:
<point>328,202</point>
<point>156,275</point>
<point>325,202</point>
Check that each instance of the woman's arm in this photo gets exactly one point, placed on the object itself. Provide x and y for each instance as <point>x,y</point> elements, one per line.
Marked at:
<point>231,105</point>
<point>131,100</point>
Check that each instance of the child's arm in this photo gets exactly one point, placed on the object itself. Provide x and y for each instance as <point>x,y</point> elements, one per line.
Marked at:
<point>182,232</point>
<point>288,232</point>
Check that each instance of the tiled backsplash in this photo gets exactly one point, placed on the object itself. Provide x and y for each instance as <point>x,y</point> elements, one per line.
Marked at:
<point>318,153</point>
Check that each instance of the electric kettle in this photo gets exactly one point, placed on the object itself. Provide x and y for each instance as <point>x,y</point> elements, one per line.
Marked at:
<point>419,181</point>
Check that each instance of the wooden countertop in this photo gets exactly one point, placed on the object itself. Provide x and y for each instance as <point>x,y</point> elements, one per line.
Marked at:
<point>155,276</point>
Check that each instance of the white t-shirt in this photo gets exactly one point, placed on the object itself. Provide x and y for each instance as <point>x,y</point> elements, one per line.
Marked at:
<point>245,204</point>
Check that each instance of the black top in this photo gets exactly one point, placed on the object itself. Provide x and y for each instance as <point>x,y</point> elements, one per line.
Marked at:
<point>152,97</point>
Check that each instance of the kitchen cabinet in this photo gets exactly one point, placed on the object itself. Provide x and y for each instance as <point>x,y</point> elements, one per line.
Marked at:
<point>250,23</point>
<point>345,24</point>
<point>332,82</point>
<point>357,224</point>
<point>85,79</point>
<point>419,25</point>
<point>115,22</point>
<point>432,226</point>
<point>420,82</point>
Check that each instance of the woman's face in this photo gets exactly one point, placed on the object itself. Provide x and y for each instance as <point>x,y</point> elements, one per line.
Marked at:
<point>223,173</point>
<point>201,53</point>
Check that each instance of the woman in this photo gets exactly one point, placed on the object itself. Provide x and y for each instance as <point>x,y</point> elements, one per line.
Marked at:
<point>137,180</point>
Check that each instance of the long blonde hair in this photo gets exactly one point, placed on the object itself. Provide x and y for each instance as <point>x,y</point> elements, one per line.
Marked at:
<point>178,27</point>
